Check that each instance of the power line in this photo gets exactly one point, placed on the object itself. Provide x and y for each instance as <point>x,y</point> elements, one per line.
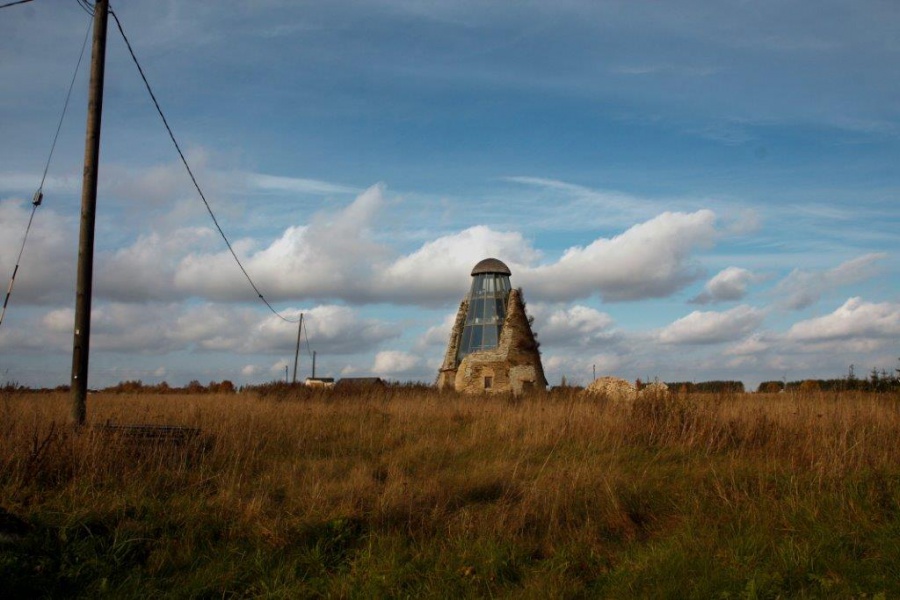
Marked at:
<point>86,7</point>
<point>7,5</point>
<point>12,280</point>
<point>191,173</point>
<point>66,104</point>
<point>39,194</point>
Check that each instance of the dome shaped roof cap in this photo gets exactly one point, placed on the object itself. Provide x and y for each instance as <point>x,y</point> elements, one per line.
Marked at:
<point>491,265</point>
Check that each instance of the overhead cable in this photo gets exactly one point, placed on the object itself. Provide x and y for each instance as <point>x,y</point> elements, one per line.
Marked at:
<point>39,194</point>
<point>8,4</point>
<point>86,7</point>
<point>191,173</point>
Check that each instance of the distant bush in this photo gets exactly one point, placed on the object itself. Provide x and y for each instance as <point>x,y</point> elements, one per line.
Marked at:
<point>770,387</point>
<point>810,386</point>
<point>708,387</point>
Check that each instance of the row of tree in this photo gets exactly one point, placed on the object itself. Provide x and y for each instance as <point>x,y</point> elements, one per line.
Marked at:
<point>878,380</point>
<point>194,387</point>
<point>707,387</point>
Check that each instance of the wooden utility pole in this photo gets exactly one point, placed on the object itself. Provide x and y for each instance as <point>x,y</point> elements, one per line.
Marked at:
<point>81,347</point>
<point>297,349</point>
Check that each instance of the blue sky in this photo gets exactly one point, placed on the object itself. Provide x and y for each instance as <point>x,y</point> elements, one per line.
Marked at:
<point>687,190</point>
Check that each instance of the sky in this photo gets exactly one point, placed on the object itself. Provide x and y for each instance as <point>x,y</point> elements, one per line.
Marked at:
<point>685,191</point>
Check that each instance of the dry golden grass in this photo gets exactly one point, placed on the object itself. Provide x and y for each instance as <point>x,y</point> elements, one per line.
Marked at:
<point>702,495</point>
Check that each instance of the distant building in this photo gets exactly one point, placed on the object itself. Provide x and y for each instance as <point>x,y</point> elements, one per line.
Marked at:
<point>492,348</point>
<point>320,382</point>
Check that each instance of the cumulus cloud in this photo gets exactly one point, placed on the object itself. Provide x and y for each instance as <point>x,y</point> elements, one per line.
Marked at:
<point>710,327</point>
<point>572,326</point>
<point>280,368</point>
<point>331,329</point>
<point>439,270</point>
<point>754,344</point>
<point>728,284</point>
<point>801,288</point>
<point>337,255</point>
<point>45,333</point>
<point>854,319</point>
<point>579,368</point>
<point>157,328</point>
<point>47,270</point>
<point>145,270</point>
<point>332,257</point>
<point>395,362</point>
<point>157,184</point>
<point>649,260</point>
<point>437,335</point>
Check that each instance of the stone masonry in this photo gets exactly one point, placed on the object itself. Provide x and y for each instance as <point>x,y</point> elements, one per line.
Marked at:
<point>513,366</point>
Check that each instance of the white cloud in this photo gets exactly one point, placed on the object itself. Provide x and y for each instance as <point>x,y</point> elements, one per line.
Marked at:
<point>331,330</point>
<point>158,184</point>
<point>801,289</point>
<point>141,329</point>
<point>332,257</point>
<point>146,269</point>
<point>578,369</point>
<point>279,368</point>
<point>298,185</point>
<point>649,260</point>
<point>25,183</point>
<point>437,335</point>
<point>728,284</point>
<point>336,255</point>
<point>47,269</point>
<point>155,328</point>
<point>754,344</point>
<point>115,327</point>
<point>572,326</point>
<point>395,362</point>
<point>341,330</point>
<point>854,320</point>
<point>709,327</point>
<point>45,333</point>
<point>438,271</point>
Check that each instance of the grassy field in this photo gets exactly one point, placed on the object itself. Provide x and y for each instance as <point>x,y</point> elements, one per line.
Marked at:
<point>405,492</point>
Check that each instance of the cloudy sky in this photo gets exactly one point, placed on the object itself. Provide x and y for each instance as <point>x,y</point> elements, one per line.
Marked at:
<point>689,190</point>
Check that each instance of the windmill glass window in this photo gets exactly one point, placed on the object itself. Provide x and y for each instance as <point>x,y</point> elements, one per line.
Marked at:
<point>487,308</point>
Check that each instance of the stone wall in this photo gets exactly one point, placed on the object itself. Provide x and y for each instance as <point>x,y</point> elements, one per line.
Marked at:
<point>513,366</point>
<point>447,373</point>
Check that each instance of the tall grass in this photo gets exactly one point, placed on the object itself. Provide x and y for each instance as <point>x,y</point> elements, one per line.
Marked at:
<point>410,492</point>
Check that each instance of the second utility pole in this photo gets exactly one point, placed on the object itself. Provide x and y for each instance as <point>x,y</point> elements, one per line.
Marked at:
<point>82,343</point>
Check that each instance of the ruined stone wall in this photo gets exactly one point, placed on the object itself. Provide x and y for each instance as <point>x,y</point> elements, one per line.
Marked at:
<point>447,373</point>
<point>513,366</point>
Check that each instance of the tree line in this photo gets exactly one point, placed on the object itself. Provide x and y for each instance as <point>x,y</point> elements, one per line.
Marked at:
<point>877,380</point>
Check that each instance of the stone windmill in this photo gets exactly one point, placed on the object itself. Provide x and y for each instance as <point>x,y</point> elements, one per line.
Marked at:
<point>492,348</point>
